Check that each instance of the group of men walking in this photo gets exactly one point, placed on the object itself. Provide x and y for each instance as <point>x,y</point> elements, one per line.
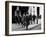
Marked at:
<point>25,20</point>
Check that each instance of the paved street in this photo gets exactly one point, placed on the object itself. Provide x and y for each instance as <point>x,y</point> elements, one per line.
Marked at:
<point>16,27</point>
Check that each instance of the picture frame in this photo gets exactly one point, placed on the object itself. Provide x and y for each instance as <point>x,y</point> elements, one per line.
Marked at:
<point>13,6</point>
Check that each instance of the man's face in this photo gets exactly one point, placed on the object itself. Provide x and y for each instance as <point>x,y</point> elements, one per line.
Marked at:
<point>23,14</point>
<point>27,14</point>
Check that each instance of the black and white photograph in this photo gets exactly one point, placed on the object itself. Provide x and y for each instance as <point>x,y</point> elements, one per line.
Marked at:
<point>25,18</point>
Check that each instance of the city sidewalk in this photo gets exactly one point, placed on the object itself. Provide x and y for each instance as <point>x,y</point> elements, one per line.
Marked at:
<point>16,27</point>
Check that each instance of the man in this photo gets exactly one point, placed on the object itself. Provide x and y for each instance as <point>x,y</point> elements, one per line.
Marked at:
<point>30,18</point>
<point>34,17</point>
<point>27,21</point>
<point>23,20</point>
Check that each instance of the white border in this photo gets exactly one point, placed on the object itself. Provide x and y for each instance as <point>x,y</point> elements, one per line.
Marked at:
<point>24,32</point>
